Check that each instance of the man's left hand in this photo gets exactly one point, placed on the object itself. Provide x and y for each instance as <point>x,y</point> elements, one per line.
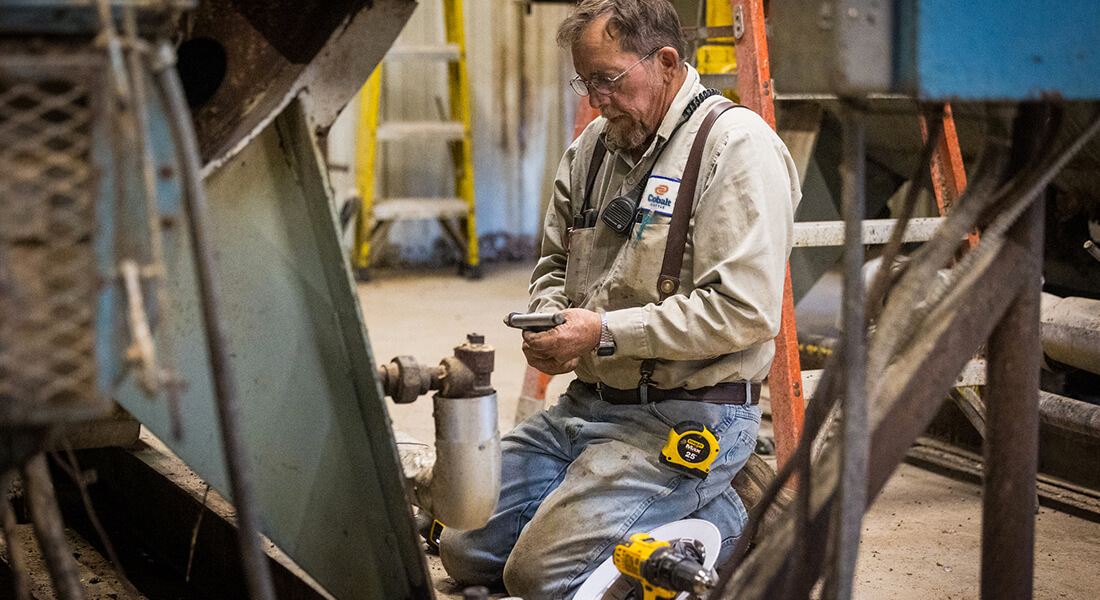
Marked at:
<point>578,335</point>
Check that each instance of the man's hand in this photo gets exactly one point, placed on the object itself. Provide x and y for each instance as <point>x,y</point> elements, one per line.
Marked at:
<point>549,365</point>
<point>559,350</point>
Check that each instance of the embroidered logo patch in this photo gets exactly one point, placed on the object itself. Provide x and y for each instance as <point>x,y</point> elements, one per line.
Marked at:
<point>660,195</point>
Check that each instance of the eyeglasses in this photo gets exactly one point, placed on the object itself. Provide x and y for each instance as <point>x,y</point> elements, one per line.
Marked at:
<point>603,85</point>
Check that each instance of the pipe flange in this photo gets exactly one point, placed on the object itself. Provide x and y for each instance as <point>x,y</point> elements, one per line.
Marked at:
<point>404,380</point>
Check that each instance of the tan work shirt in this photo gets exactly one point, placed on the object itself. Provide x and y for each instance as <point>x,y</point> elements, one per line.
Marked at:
<point>720,325</point>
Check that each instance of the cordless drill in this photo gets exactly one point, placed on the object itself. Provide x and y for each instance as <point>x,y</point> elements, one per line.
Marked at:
<point>660,570</point>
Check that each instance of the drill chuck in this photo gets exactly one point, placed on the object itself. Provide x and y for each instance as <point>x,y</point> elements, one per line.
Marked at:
<point>661,570</point>
<point>674,571</point>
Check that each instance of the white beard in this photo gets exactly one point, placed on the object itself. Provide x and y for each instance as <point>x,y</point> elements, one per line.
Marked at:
<point>632,137</point>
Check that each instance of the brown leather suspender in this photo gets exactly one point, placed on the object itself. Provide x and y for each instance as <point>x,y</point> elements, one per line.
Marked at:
<point>593,168</point>
<point>669,280</point>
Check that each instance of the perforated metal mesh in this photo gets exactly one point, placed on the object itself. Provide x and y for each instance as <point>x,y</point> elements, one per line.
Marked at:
<point>48,278</point>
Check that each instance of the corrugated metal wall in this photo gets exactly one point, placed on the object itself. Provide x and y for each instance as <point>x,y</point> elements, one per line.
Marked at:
<point>522,114</point>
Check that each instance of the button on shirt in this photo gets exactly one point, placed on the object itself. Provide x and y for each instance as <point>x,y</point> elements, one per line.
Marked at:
<point>720,324</point>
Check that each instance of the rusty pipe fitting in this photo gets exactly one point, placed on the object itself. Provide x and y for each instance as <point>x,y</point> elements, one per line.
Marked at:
<point>464,375</point>
<point>405,380</point>
<point>458,482</point>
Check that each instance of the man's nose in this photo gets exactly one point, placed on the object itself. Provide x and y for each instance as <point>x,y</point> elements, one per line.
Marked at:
<point>597,100</point>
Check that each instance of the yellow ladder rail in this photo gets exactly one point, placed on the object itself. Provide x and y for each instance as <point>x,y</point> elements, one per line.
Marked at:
<point>456,215</point>
<point>366,142</point>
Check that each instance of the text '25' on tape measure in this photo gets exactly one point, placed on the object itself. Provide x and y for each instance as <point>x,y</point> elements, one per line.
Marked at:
<point>691,448</point>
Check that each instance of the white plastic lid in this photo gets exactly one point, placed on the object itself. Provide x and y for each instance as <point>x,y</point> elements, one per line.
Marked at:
<point>599,584</point>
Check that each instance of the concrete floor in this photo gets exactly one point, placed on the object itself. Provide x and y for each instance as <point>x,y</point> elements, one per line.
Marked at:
<point>921,538</point>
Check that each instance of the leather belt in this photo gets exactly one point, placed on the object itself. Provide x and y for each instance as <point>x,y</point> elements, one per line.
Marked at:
<point>723,393</point>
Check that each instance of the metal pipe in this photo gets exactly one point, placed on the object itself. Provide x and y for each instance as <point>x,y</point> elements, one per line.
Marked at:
<point>1092,249</point>
<point>1012,428</point>
<point>1071,331</point>
<point>49,530</point>
<point>1070,414</point>
<point>253,558</point>
<point>459,481</point>
<point>809,234</point>
<point>169,374</point>
<point>854,434</point>
<point>466,478</point>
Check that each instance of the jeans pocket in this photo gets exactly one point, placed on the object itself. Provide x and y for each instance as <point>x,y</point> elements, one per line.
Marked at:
<point>717,417</point>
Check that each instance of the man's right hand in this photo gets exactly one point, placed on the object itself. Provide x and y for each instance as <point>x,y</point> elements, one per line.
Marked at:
<point>548,364</point>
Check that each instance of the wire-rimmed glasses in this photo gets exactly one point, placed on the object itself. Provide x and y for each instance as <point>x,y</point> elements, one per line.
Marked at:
<point>603,85</point>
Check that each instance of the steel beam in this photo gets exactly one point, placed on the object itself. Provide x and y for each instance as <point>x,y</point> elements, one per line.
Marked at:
<point>855,436</point>
<point>1012,429</point>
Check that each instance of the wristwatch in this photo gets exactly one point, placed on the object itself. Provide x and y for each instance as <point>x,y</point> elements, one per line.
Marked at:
<point>607,342</point>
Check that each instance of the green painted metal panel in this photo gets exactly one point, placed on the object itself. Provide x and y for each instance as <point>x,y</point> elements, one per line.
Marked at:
<point>326,474</point>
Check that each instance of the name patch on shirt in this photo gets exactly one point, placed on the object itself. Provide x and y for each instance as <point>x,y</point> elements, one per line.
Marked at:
<point>660,195</point>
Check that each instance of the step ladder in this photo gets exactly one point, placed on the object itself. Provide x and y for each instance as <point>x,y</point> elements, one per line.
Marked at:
<point>456,214</point>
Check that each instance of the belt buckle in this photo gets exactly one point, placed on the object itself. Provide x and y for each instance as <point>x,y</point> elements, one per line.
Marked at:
<point>748,393</point>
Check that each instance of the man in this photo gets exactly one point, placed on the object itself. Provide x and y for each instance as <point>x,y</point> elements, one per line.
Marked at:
<point>582,477</point>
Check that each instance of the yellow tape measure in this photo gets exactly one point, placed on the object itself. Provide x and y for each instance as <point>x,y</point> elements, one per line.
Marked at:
<point>691,448</point>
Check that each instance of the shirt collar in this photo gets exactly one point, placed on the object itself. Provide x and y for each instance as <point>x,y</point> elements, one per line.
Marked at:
<point>688,90</point>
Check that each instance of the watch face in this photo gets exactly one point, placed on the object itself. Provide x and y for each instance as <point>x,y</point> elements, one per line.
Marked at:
<point>605,350</point>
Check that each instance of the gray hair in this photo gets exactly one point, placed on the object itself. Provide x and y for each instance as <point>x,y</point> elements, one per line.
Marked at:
<point>638,25</point>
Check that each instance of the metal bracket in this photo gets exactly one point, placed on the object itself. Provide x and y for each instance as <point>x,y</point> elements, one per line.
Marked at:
<point>738,23</point>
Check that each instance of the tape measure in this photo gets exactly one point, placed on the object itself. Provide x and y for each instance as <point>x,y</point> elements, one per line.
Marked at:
<point>691,448</point>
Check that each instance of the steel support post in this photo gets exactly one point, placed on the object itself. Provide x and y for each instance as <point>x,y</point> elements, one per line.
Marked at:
<point>1012,429</point>
<point>855,431</point>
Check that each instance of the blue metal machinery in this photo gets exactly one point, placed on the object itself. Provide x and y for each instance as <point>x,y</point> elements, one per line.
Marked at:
<point>938,49</point>
<point>104,279</point>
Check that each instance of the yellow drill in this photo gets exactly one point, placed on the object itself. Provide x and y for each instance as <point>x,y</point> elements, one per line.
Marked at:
<point>660,570</point>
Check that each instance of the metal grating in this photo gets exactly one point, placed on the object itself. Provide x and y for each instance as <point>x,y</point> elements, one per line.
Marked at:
<point>48,277</point>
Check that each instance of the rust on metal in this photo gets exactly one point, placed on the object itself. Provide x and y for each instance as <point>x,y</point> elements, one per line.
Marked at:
<point>466,374</point>
<point>948,172</point>
<point>243,62</point>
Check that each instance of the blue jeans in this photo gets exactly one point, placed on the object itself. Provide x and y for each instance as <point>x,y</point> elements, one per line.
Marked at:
<point>584,476</point>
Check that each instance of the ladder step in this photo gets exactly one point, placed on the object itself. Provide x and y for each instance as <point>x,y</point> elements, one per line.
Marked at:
<point>446,52</point>
<point>972,374</point>
<point>446,130</point>
<point>875,231</point>
<point>393,209</point>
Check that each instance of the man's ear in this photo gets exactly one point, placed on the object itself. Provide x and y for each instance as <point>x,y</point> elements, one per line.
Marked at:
<point>669,59</point>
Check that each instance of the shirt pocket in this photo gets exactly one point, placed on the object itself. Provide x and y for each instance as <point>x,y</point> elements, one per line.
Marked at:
<point>578,264</point>
<point>634,282</point>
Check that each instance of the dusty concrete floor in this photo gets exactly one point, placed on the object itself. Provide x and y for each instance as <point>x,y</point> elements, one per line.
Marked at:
<point>921,538</point>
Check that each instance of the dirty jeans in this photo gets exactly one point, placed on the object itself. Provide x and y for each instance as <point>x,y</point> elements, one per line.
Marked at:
<point>582,477</point>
